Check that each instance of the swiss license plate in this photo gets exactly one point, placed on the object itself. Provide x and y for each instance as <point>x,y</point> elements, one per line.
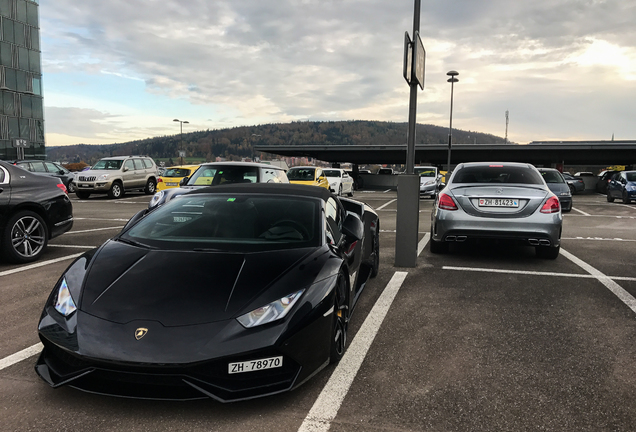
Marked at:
<point>498,202</point>
<point>255,365</point>
<point>171,184</point>
<point>85,185</point>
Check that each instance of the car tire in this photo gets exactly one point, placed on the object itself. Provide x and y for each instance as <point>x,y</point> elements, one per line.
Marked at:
<point>567,210</point>
<point>572,189</point>
<point>547,252</point>
<point>376,252</point>
<point>340,321</point>
<point>351,191</point>
<point>25,237</point>
<point>626,199</point>
<point>610,198</point>
<point>437,247</point>
<point>82,195</point>
<point>71,187</point>
<point>116,191</point>
<point>340,190</point>
<point>151,187</point>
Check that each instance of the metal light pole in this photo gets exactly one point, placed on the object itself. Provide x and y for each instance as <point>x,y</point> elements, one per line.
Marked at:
<point>181,126</point>
<point>451,80</point>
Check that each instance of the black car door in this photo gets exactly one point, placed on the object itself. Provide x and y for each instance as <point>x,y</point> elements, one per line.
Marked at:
<point>5,195</point>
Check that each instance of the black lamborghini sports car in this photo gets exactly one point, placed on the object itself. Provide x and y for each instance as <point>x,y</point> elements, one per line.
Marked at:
<point>231,292</point>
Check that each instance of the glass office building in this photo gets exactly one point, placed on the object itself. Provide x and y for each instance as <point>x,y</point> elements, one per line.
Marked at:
<point>21,105</point>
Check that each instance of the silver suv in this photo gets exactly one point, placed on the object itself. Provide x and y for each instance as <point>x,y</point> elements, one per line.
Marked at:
<point>116,175</point>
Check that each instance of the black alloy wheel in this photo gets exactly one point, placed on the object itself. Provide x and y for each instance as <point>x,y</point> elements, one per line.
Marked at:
<point>151,187</point>
<point>25,237</point>
<point>340,322</point>
<point>71,187</point>
<point>82,195</point>
<point>547,252</point>
<point>116,191</point>
<point>626,199</point>
<point>572,189</point>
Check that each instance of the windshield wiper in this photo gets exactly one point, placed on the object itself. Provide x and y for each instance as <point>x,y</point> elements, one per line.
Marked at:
<point>134,243</point>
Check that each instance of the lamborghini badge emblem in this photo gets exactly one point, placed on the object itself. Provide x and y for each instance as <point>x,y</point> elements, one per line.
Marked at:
<point>140,332</point>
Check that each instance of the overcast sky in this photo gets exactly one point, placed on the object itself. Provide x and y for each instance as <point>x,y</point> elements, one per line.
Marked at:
<point>121,70</point>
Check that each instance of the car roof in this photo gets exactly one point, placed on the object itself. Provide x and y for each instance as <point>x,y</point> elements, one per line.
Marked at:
<point>485,164</point>
<point>268,189</point>
<point>254,164</point>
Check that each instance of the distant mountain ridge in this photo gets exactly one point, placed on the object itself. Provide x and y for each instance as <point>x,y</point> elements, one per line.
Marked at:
<point>237,142</point>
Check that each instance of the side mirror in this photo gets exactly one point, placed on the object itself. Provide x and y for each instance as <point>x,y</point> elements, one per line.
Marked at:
<point>353,228</point>
<point>133,220</point>
<point>125,169</point>
<point>183,181</point>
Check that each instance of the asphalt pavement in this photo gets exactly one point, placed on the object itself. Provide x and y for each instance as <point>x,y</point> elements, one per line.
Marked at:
<point>485,338</point>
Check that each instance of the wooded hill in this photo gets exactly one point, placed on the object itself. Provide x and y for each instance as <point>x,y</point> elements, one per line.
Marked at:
<point>235,143</point>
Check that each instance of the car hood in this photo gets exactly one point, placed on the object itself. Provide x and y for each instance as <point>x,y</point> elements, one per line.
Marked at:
<point>559,188</point>
<point>91,173</point>
<point>126,283</point>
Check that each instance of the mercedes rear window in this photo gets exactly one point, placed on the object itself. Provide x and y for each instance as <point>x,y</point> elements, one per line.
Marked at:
<point>497,174</point>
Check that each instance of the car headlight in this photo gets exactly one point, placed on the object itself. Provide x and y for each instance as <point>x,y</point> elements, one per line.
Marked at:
<point>430,182</point>
<point>630,187</point>
<point>274,311</point>
<point>156,198</point>
<point>103,177</point>
<point>64,303</point>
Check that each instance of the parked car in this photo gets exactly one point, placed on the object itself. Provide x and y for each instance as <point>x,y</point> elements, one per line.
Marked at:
<point>339,181</point>
<point>219,173</point>
<point>604,178</point>
<point>557,184</point>
<point>48,168</point>
<point>231,293</point>
<point>429,180</point>
<point>308,175</point>
<point>33,210</point>
<point>584,174</point>
<point>171,177</point>
<point>507,201</point>
<point>385,171</point>
<point>622,186</point>
<point>576,184</point>
<point>117,175</point>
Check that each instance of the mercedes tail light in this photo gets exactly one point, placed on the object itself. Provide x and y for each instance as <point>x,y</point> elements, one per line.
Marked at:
<point>61,186</point>
<point>552,205</point>
<point>446,202</point>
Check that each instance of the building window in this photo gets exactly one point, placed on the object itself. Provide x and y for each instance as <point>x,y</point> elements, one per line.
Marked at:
<point>26,110</point>
<point>6,8</point>
<point>23,58</point>
<point>32,14</point>
<point>18,34</point>
<point>6,54</point>
<point>14,128</point>
<point>37,86</point>
<point>35,38</point>
<point>21,78</point>
<point>10,78</point>
<point>21,11</point>
<point>34,61</point>
<point>7,30</point>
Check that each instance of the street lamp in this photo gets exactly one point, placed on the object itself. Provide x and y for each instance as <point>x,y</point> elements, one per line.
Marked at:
<point>452,74</point>
<point>181,126</point>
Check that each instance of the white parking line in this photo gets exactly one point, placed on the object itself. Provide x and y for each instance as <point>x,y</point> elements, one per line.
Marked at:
<point>40,264</point>
<point>598,238</point>
<point>94,229</point>
<point>328,403</point>
<point>388,190</point>
<point>422,244</point>
<point>534,273</point>
<point>618,291</point>
<point>581,211</point>
<point>386,204</point>
<point>21,355</point>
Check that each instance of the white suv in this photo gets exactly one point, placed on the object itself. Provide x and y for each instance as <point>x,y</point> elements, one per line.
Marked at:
<point>117,175</point>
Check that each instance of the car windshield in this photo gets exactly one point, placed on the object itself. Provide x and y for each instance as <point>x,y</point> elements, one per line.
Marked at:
<point>631,176</point>
<point>306,174</point>
<point>233,223</point>
<point>552,177</point>
<point>497,174</point>
<point>332,173</point>
<point>425,172</point>
<point>213,175</point>
<point>176,172</point>
<point>107,165</point>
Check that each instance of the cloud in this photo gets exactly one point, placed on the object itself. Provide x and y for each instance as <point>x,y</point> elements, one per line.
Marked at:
<point>280,60</point>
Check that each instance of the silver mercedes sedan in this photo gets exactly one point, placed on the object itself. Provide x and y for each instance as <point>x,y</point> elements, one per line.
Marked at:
<point>497,200</point>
